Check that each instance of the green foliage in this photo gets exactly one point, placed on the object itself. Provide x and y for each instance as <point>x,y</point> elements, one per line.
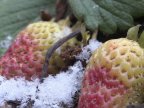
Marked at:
<point>132,33</point>
<point>141,40</point>
<point>107,15</point>
<point>136,34</point>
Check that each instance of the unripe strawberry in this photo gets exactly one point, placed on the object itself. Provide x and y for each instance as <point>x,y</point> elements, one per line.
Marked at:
<point>112,75</point>
<point>26,55</point>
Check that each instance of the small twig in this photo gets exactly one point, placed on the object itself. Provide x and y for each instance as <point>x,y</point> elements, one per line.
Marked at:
<point>52,49</point>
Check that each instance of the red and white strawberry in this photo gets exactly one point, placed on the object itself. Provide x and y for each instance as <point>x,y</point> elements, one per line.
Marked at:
<point>112,75</point>
<point>25,57</point>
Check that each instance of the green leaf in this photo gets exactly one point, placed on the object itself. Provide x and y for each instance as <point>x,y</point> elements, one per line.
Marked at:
<point>141,40</point>
<point>16,14</point>
<point>132,33</point>
<point>136,33</point>
<point>107,15</point>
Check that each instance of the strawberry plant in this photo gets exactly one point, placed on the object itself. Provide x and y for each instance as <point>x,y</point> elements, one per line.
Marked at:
<point>39,44</point>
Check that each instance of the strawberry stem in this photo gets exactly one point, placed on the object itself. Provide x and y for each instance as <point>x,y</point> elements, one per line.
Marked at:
<point>52,49</point>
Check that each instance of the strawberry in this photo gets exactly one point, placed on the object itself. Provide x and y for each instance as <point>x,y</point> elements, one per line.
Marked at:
<point>25,57</point>
<point>112,76</point>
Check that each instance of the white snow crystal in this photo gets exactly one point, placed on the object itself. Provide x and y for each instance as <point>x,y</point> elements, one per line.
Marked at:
<point>17,89</point>
<point>6,42</point>
<point>53,91</point>
<point>95,6</point>
<point>61,88</point>
<point>87,50</point>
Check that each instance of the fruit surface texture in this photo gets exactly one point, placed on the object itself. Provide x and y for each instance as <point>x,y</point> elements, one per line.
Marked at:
<point>26,56</point>
<point>114,76</point>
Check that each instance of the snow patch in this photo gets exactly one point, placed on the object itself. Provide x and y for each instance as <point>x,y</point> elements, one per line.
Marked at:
<point>60,89</point>
<point>87,50</point>
<point>17,89</point>
<point>6,42</point>
<point>95,6</point>
<point>51,93</point>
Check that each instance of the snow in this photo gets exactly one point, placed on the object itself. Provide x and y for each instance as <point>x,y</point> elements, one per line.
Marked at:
<point>95,6</point>
<point>63,33</point>
<point>16,89</point>
<point>54,91</point>
<point>61,88</point>
<point>87,50</point>
<point>6,42</point>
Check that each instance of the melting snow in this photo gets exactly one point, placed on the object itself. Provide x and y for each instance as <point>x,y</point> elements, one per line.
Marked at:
<point>53,91</point>
<point>6,42</point>
<point>60,88</point>
<point>95,6</point>
<point>87,50</point>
